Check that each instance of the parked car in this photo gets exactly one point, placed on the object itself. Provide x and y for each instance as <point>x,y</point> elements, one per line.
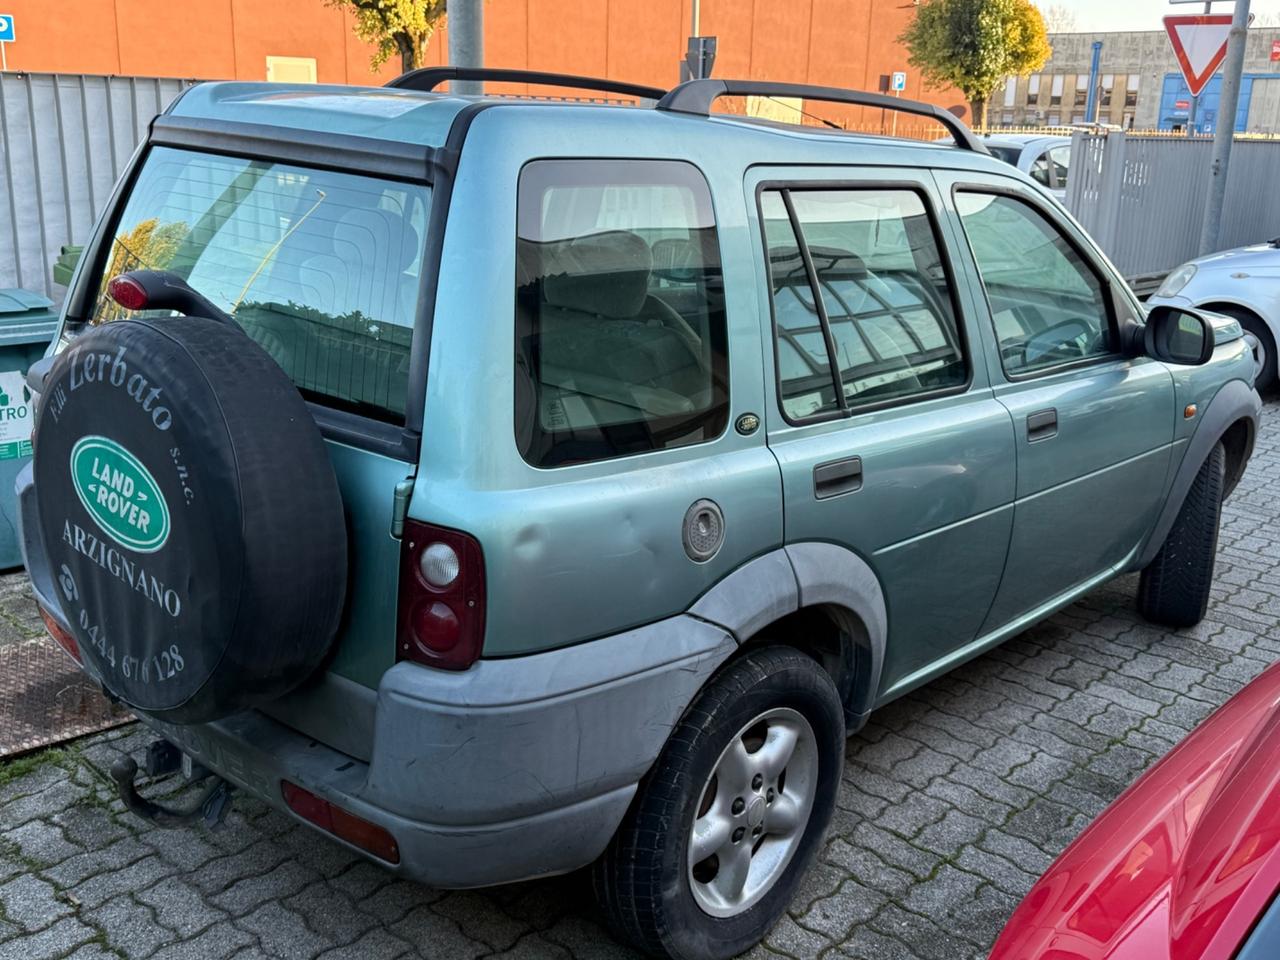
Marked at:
<point>1243,283</point>
<point>503,487</point>
<point>1185,865</point>
<point>1044,158</point>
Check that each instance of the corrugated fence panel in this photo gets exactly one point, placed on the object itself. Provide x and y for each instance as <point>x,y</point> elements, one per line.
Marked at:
<point>63,142</point>
<point>1142,198</point>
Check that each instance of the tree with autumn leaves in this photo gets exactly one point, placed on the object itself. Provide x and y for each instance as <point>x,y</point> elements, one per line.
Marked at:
<point>976,45</point>
<point>395,26</point>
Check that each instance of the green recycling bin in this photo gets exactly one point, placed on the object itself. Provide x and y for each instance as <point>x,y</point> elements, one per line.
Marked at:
<point>27,324</point>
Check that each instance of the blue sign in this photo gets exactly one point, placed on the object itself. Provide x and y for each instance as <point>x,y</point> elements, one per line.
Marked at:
<point>899,81</point>
<point>6,28</point>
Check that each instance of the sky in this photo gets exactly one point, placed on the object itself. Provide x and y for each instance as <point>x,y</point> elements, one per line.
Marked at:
<point>1091,15</point>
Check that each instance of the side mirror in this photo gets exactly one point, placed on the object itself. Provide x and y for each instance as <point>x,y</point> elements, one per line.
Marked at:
<point>1177,335</point>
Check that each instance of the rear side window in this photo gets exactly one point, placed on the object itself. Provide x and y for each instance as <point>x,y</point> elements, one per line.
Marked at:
<point>862,303</point>
<point>321,268</point>
<point>620,327</point>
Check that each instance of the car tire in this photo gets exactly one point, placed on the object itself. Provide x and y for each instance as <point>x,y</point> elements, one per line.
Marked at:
<point>1257,327</point>
<point>1174,589</point>
<point>709,787</point>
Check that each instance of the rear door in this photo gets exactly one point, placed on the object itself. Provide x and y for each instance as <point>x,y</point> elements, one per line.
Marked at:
<point>1093,427</point>
<point>909,462</point>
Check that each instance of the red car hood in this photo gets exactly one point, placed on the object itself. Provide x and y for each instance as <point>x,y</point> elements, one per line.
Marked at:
<point>1183,862</point>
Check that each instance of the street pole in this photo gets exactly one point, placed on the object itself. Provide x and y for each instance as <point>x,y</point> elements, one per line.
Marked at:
<point>1195,98</point>
<point>695,26</point>
<point>1091,104</point>
<point>466,42</point>
<point>1224,133</point>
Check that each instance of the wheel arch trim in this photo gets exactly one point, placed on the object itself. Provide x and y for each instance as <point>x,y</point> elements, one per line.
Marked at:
<point>802,576</point>
<point>1236,401</point>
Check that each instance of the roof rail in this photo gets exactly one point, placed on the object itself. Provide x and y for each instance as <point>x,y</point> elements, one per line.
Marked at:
<point>428,78</point>
<point>697,96</point>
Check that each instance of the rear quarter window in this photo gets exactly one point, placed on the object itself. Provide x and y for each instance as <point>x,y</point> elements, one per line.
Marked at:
<point>620,326</point>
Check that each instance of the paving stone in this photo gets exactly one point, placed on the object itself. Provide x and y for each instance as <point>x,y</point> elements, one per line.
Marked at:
<point>30,903</point>
<point>835,915</point>
<point>942,892</point>
<point>329,913</point>
<point>41,843</point>
<point>215,943</point>
<point>283,933</point>
<point>180,907</point>
<point>245,895</point>
<point>951,833</point>
<point>103,886</point>
<point>868,869</point>
<point>476,917</point>
<point>793,940</point>
<point>52,942</point>
<point>431,932</point>
<point>113,857</point>
<point>130,928</point>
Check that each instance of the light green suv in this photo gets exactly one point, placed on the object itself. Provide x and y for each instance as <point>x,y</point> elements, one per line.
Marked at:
<point>504,487</point>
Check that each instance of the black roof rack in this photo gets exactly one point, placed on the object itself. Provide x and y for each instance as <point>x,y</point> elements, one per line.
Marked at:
<point>697,96</point>
<point>428,78</point>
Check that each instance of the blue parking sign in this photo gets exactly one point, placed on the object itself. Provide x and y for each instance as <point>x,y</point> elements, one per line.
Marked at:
<point>899,81</point>
<point>6,28</point>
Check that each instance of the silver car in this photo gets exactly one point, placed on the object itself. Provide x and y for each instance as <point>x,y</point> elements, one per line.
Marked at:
<point>1243,283</point>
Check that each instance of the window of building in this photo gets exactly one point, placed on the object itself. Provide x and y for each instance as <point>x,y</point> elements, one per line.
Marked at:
<point>1010,91</point>
<point>1108,83</point>
<point>1082,91</point>
<point>1131,90</point>
<point>1128,121</point>
<point>860,298</point>
<point>1055,91</point>
<point>291,69</point>
<point>1006,119</point>
<point>1077,118</point>
<point>1033,88</point>
<point>1047,304</point>
<point>621,346</point>
<point>1054,120</point>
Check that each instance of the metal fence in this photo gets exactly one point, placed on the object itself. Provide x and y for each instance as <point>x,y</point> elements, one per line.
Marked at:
<point>63,141</point>
<point>1142,198</point>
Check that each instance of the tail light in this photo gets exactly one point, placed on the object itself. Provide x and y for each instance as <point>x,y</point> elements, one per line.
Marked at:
<point>346,826</point>
<point>441,615</point>
<point>128,292</point>
<point>65,640</point>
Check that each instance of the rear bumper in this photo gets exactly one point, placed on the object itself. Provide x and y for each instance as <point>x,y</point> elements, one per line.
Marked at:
<point>512,769</point>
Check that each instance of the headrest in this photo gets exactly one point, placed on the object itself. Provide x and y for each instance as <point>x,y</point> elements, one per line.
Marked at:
<point>376,233</point>
<point>606,274</point>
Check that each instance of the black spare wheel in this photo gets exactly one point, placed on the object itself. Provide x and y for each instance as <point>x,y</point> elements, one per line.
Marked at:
<point>191,517</point>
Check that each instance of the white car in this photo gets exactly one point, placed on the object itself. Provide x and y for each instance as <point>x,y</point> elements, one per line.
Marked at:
<point>1243,283</point>
<point>1046,159</point>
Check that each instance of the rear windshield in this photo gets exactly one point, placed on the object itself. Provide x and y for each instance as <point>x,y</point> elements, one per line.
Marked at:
<point>320,268</point>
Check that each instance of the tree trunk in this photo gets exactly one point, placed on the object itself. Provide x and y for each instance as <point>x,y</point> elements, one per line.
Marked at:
<point>410,52</point>
<point>978,110</point>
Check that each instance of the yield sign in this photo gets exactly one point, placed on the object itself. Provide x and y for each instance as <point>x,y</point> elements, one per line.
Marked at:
<point>1200,44</point>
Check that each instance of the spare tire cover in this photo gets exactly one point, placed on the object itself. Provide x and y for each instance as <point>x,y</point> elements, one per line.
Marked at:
<point>191,517</point>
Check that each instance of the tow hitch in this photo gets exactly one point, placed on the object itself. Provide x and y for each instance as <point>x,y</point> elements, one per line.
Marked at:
<point>163,757</point>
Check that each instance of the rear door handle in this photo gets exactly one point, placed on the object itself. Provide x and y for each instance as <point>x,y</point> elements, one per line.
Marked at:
<point>1042,425</point>
<point>837,477</point>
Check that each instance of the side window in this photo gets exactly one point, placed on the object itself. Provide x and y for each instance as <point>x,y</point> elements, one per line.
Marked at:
<point>621,344</point>
<point>1048,305</point>
<point>862,305</point>
<point>1060,157</point>
<point>1040,170</point>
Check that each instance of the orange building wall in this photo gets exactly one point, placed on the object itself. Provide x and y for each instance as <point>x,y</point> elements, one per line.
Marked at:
<point>847,43</point>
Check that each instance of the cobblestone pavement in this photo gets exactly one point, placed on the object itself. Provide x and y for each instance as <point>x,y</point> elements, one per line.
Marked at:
<point>953,800</point>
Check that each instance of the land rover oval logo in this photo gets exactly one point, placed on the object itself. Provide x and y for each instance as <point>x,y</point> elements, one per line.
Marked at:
<point>120,494</point>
